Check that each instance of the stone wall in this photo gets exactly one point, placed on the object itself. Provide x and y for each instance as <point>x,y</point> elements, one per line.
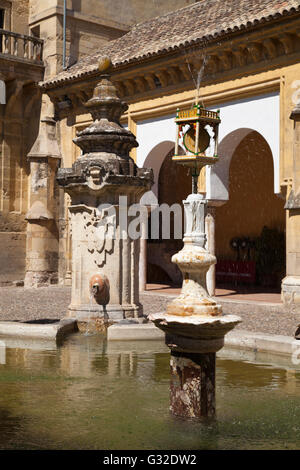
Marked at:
<point>13,244</point>
<point>130,11</point>
<point>19,123</point>
<point>89,25</point>
<point>12,258</point>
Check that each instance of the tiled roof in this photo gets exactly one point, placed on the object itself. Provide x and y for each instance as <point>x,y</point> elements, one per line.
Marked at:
<point>201,22</point>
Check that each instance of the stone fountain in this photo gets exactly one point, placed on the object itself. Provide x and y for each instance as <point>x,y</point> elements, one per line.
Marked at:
<point>194,325</point>
<point>103,182</point>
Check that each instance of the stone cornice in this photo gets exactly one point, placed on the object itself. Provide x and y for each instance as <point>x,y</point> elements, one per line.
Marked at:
<point>247,54</point>
<point>211,99</point>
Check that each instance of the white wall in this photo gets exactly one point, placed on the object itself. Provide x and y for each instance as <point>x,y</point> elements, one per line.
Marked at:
<point>156,138</point>
<point>259,113</point>
<point>151,133</point>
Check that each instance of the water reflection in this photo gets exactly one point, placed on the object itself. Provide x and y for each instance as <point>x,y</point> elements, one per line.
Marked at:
<point>88,394</point>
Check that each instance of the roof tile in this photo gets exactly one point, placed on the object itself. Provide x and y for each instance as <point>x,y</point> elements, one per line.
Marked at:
<point>202,21</point>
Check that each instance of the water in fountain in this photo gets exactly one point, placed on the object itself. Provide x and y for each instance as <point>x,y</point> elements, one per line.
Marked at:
<point>89,322</point>
<point>103,390</point>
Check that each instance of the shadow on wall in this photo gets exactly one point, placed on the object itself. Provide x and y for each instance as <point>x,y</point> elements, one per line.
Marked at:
<point>174,185</point>
<point>252,204</point>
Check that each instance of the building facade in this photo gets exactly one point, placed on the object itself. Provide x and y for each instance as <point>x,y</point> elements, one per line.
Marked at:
<point>244,57</point>
<point>31,50</point>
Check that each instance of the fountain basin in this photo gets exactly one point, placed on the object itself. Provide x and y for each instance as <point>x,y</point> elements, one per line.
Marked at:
<point>195,333</point>
<point>42,330</point>
<point>89,394</point>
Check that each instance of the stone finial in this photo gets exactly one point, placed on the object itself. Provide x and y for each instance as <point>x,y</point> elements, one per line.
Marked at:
<point>105,103</point>
<point>106,134</point>
<point>104,64</point>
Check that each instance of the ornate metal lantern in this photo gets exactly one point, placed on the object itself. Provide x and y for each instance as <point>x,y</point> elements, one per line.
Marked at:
<point>192,126</point>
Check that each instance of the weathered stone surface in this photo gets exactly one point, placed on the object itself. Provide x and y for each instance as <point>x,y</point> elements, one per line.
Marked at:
<point>38,212</point>
<point>193,322</point>
<point>55,331</point>
<point>290,293</point>
<point>12,259</point>
<point>192,388</point>
<point>195,333</point>
<point>100,176</point>
<point>134,332</point>
<point>42,231</point>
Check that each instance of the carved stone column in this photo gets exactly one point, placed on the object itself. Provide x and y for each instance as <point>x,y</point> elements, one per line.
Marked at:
<point>193,323</point>
<point>290,288</point>
<point>143,255</point>
<point>210,233</point>
<point>42,231</point>
<point>103,183</point>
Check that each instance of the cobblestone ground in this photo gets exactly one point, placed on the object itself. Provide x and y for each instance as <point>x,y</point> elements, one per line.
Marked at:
<point>19,304</point>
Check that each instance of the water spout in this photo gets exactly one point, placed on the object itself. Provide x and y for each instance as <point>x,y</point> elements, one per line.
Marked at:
<point>99,289</point>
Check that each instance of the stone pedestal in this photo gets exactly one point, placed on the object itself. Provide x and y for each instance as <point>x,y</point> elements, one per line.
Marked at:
<point>192,389</point>
<point>193,323</point>
<point>103,183</point>
<point>100,247</point>
<point>290,293</point>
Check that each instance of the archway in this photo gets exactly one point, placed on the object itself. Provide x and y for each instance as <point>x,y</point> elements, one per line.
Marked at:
<point>173,185</point>
<point>154,160</point>
<point>250,226</point>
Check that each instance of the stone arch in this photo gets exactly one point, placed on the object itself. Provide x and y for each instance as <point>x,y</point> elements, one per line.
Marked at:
<point>218,175</point>
<point>173,186</point>
<point>252,210</point>
<point>154,160</point>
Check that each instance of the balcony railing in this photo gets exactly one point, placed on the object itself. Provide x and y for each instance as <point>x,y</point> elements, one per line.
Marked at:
<point>28,48</point>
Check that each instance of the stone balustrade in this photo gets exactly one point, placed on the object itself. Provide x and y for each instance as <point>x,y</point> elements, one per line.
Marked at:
<point>24,47</point>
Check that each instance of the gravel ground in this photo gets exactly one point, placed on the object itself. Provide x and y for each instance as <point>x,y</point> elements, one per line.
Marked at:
<point>19,304</point>
<point>273,323</point>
